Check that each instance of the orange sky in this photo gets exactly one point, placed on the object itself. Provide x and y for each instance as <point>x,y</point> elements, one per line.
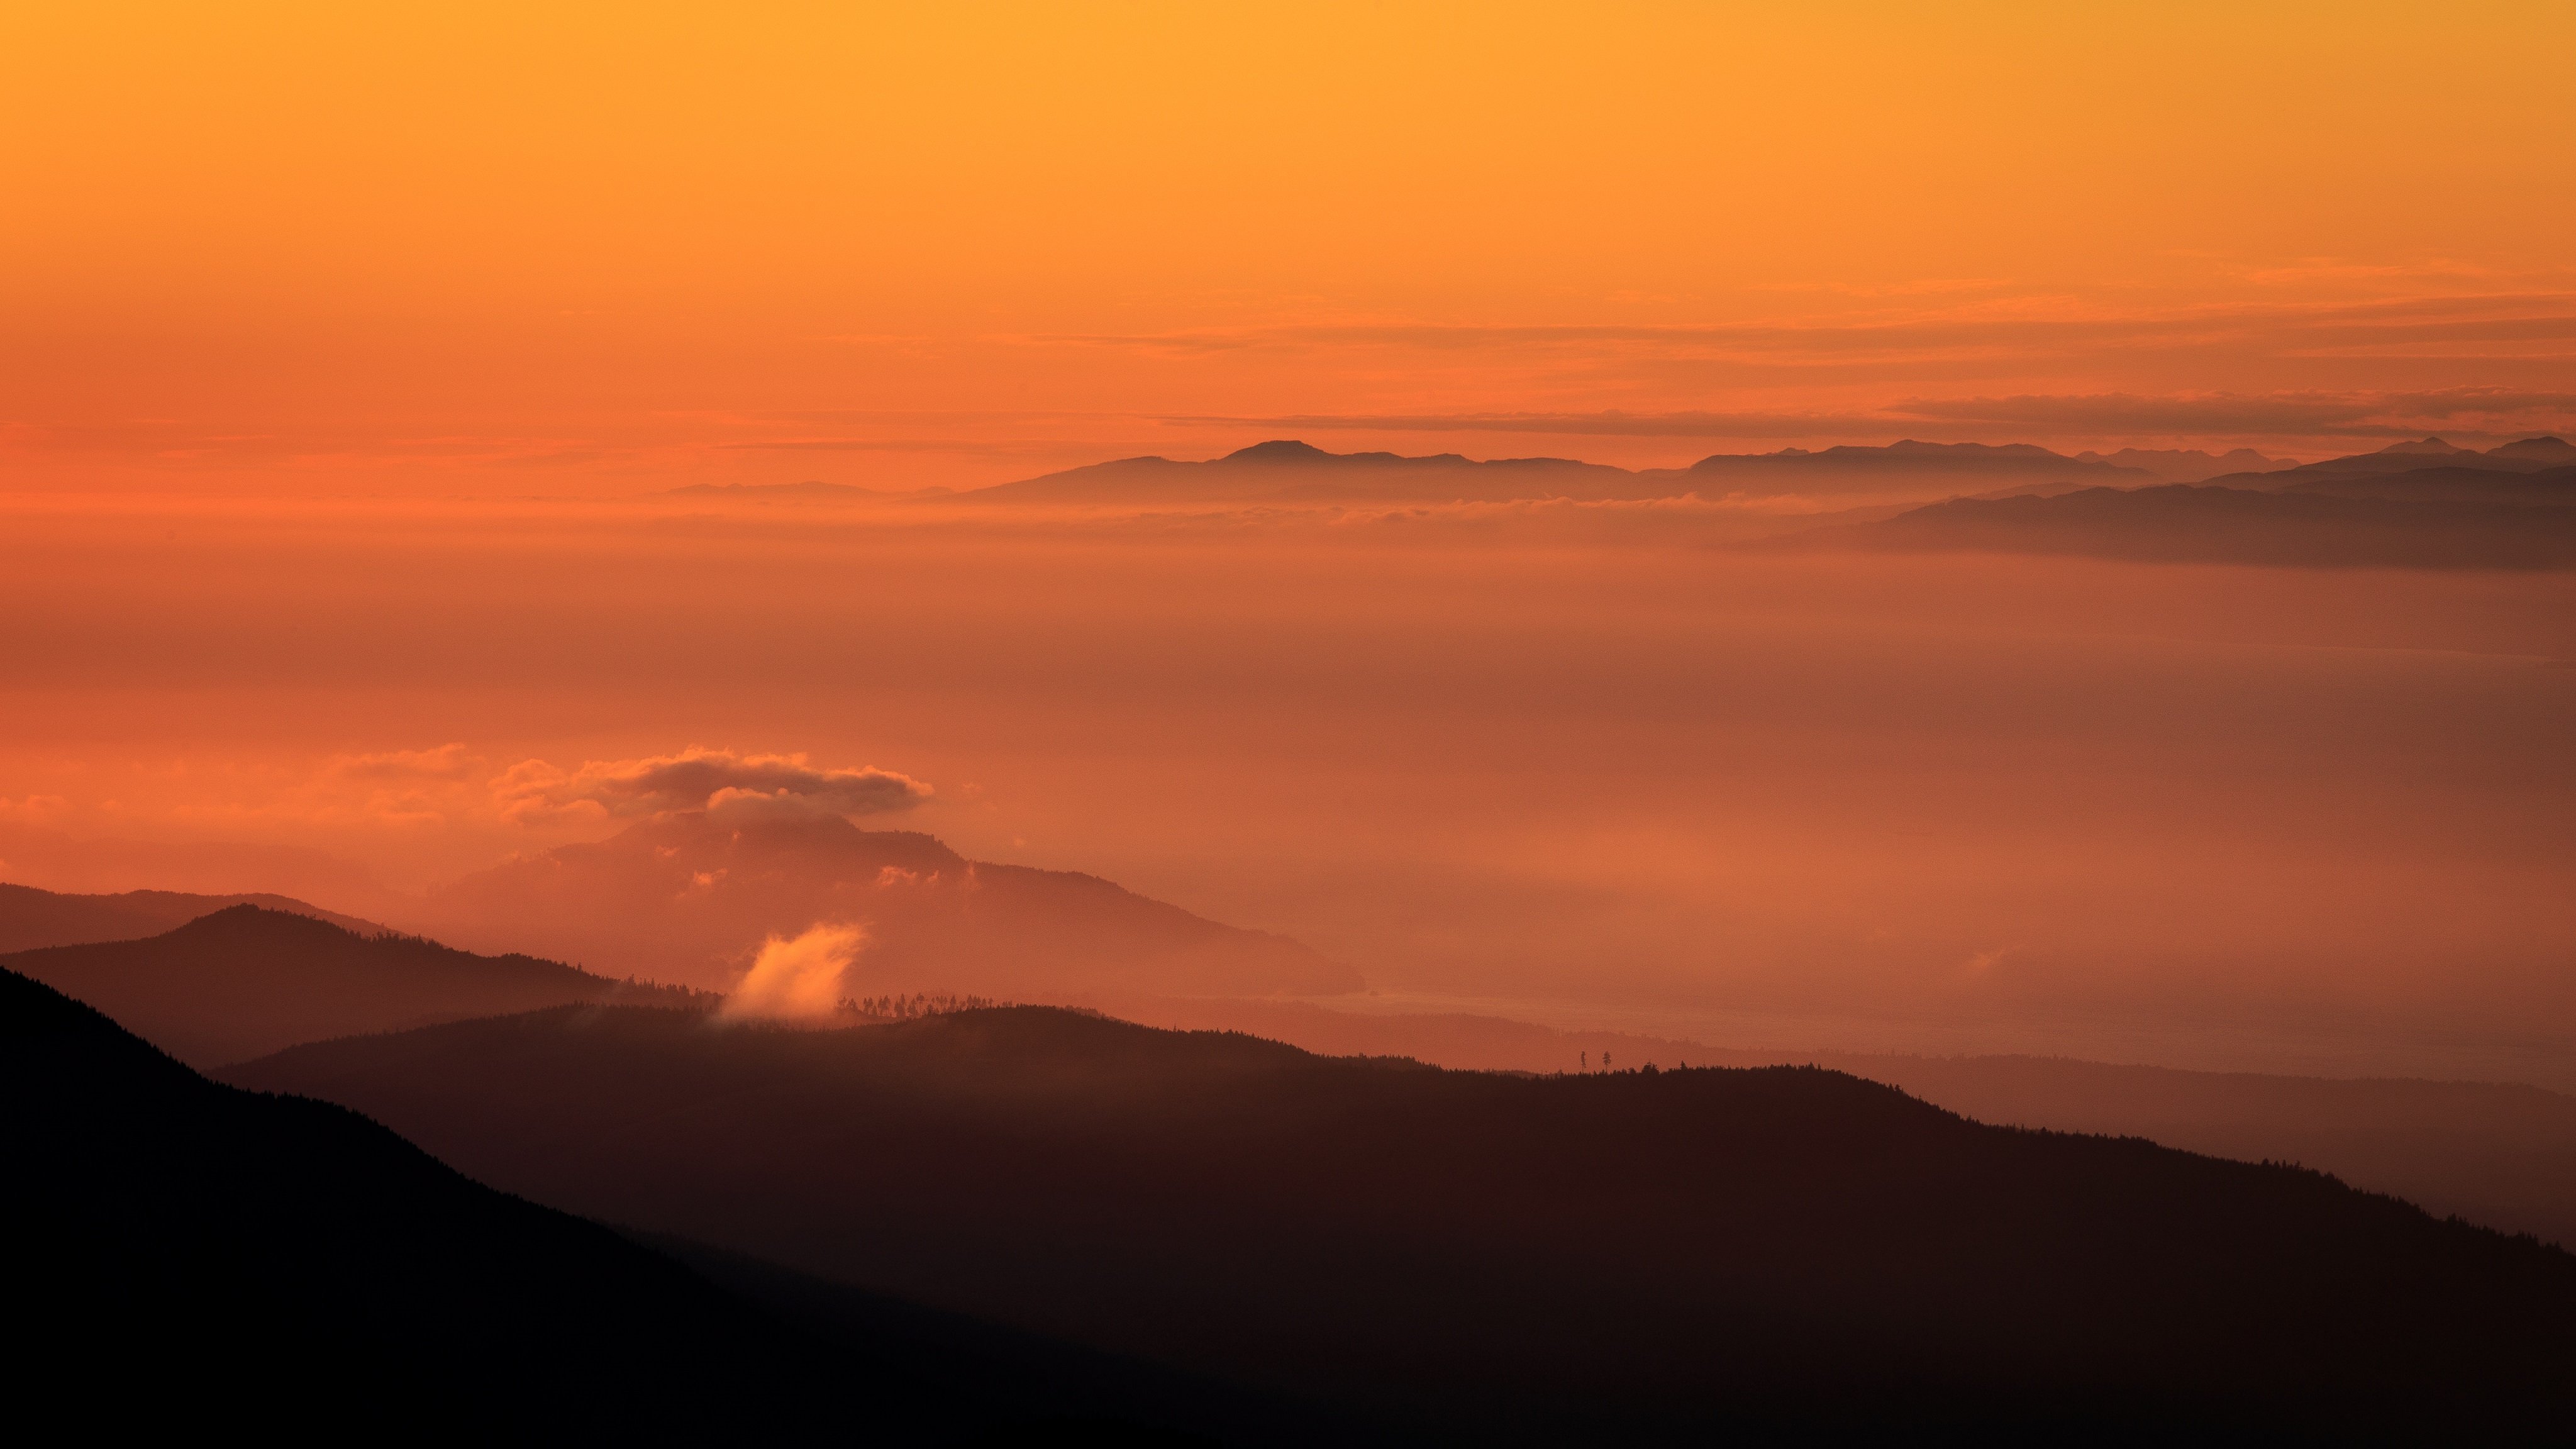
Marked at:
<point>462,248</point>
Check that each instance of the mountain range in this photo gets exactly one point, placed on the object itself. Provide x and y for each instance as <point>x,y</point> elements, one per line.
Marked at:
<point>242,982</point>
<point>688,897</point>
<point>1497,1258</point>
<point>30,918</point>
<point>1285,472</point>
<point>248,979</point>
<point>2296,525</point>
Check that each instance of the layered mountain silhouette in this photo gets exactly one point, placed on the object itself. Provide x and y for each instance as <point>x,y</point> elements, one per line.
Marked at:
<point>1498,1258</point>
<point>2501,1154</point>
<point>246,980</point>
<point>193,1258</point>
<point>690,896</point>
<point>30,917</point>
<point>1287,472</point>
<point>2188,465</point>
<point>1905,470</point>
<point>2312,523</point>
<point>2527,455</point>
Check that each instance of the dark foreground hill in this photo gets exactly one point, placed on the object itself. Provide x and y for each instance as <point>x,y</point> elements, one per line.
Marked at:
<point>1785,1252</point>
<point>30,918</point>
<point>189,1256</point>
<point>2500,1154</point>
<point>246,980</point>
<point>2180,523</point>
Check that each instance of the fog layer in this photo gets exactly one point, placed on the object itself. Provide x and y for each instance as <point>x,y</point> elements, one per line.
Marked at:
<point>2306,820</point>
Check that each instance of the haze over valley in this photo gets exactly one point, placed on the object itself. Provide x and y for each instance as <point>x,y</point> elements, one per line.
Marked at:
<point>1343,724</point>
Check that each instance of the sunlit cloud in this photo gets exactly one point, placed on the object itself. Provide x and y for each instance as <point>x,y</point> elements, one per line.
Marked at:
<point>796,978</point>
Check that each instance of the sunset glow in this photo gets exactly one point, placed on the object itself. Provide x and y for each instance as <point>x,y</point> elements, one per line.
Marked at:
<point>585,249</point>
<point>1273,725</point>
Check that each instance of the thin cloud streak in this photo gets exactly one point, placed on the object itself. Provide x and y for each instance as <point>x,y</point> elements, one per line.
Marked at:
<point>2353,415</point>
<point>2506,317</point>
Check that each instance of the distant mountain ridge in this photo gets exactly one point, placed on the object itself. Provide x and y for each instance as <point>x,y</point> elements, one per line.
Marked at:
<point>688,896</point>
<point>2297,524</point>
<point>245,980</point>
<point>2526,455</point>
<point>1288,472</point>
<point>30,918</point>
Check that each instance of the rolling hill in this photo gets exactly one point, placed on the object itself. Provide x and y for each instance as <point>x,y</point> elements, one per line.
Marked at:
<point>247,980</point>
<point>30,918</point>
<point>1782,1252</point>
<point>2500,1154</point>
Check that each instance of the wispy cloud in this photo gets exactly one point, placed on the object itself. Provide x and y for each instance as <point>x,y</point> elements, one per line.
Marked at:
<point>2032,325</point>
<point>2359,415</point>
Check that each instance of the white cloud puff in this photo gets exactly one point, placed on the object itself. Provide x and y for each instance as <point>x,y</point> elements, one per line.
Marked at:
<point>798,977</point>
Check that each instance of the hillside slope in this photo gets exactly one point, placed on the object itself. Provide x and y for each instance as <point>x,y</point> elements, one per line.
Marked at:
<point>31,918</point>
<point>246,980</point>
<point>1504,1257</point>
<point>204,1259</point>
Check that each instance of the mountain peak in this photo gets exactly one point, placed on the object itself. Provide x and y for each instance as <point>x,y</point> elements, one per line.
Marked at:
<point>2423,445</point>
<point>1279,450</point>
<point>2545,448</point>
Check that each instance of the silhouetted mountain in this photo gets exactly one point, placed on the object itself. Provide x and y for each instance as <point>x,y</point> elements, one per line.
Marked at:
<point>689,897</point>
<point>245,981</point>
<point>1285,471</point>
<point>2548,452</point>
<point>2181,523</point>
<point>189,1256</point>
<point>2530,455</point>
<point>30,918</point>
<point>1504,1258</point>
<point>1904,470</point>
<point>2501,1154</point>
<point>2188,465</point>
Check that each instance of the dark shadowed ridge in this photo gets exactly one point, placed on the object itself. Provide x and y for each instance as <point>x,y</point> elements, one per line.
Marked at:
<point>191,1256</point>
<point>2500,1154</point>
<point>246,980</point>
<point>689,896</point>
<point>2181,523</point>
<point>30,918</point>
<point>1490,1257</point>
